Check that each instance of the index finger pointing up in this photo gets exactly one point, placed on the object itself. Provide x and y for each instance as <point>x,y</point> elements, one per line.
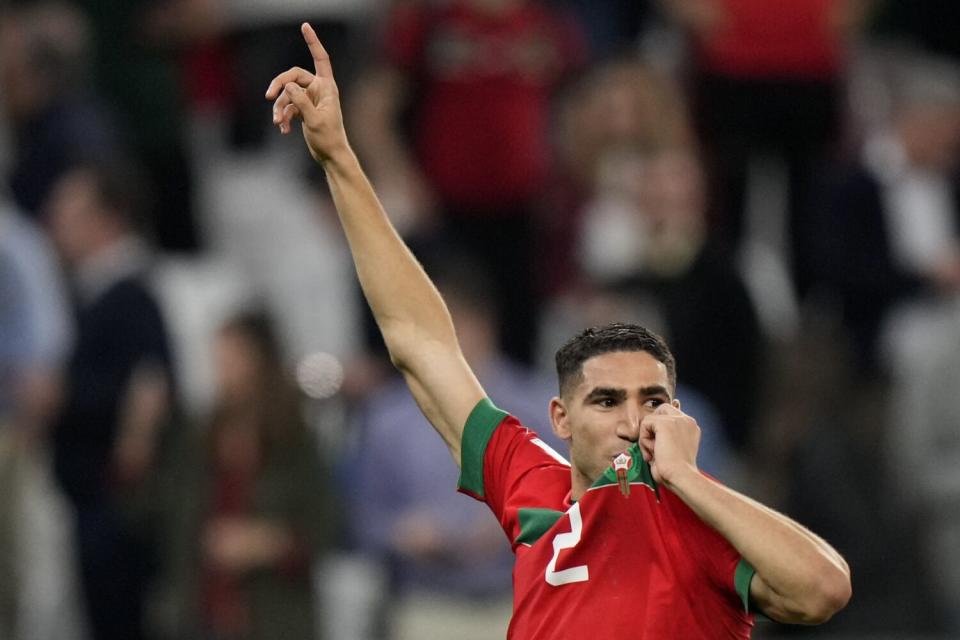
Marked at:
<point>321,60</point>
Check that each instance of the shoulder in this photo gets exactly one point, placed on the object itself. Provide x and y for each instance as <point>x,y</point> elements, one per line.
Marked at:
<point>496,444</point>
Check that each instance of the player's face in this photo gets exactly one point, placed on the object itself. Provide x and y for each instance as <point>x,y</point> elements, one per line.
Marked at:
<point>601,417</point>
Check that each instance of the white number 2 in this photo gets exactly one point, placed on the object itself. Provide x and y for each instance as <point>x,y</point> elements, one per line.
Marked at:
<point>567,541</point>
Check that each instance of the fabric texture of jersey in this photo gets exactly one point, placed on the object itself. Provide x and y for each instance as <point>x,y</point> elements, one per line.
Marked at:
<point>638,566</point>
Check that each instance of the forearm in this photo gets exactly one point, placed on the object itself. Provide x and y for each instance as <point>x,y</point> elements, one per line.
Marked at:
<point>808,579</point>
<point>407,307</point>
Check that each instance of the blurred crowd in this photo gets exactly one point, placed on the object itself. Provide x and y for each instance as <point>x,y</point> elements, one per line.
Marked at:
<point>200,434</point>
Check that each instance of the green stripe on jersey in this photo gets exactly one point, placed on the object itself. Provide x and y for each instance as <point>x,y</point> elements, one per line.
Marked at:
<point>741,582</point>
<point>535,522</point>
<point>481,423</point>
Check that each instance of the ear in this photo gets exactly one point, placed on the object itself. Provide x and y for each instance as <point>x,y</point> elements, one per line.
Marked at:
<point>676,404</point>
<point>559,419</point>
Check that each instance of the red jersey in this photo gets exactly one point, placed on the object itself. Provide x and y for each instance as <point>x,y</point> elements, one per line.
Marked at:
<point>638,566</point>
<point>765,39</point>
<point>483,82</point>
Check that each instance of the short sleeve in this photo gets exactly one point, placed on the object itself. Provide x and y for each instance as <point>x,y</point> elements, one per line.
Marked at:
<point>508,467</point>
<point>481,423</point>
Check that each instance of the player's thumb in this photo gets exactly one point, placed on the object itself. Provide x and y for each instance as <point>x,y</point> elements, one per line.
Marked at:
<point>299,97</point>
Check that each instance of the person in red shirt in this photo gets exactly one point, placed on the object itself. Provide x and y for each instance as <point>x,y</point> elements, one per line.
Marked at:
<point>768,82</point>
<point>475,79</point>
<point>628,540</point>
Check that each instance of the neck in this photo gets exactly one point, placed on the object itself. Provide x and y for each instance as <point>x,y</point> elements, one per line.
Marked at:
<point>579,484</point>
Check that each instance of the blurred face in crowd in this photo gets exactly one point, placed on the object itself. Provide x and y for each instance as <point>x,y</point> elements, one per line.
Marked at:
<point>238,363</point>
<point>622,107</point>
<point>673,195</point>
<point>77,219</point>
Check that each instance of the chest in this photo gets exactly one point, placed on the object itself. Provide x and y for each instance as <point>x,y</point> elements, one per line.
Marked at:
<point>618,542</point>
<point>607,565</point>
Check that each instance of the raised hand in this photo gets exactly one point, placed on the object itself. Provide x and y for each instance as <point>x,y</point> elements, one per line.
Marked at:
<point>312,97</point>
<point>669,441</point>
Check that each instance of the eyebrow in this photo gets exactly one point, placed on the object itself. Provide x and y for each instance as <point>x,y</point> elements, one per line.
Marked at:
<point>606,392</point>
<point>654,390</point>
<point>621,394</point>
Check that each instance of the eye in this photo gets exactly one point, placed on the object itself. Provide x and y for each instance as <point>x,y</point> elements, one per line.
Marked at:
<point>653,403</point>
<point>606,403</point>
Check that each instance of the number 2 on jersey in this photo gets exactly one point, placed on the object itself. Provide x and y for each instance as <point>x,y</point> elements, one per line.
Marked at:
<point>567,541</point>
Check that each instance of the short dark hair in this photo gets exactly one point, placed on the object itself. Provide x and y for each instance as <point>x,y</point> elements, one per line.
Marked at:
<point>608,339</point>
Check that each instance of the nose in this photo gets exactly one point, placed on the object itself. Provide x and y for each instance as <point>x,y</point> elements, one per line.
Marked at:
<point>628,427</point>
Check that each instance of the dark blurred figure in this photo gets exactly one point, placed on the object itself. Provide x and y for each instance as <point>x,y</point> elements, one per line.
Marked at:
<point>54,119</point>
<point>116,390</point>
<point>871,458</point>
<point>930,25</point>
<point>768,81</point>
<point>247,503</point>
<point>889,256</point>
<point>646,237</point>
<point>136,69</point>
<point>473,80</point>
<point>888,225</point>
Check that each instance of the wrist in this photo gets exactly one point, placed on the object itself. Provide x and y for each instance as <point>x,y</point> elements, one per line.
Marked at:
<point>681,477</point>
<point>338,159</point>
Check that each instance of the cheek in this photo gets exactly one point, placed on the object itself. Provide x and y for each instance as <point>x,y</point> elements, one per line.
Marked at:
<point>587,435</point>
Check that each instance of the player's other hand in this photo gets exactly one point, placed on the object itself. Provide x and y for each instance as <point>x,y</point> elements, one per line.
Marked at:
<point>669,441</point>
<point>314,99</point>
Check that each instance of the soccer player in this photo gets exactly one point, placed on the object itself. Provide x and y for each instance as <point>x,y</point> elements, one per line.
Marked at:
<point>628,540</point>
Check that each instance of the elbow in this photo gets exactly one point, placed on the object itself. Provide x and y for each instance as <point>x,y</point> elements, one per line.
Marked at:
<point>411,347</point>
<point>401,342</point>
<point>830,594</point>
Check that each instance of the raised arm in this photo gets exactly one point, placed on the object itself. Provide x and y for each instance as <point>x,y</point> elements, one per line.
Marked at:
<point>412,316</point>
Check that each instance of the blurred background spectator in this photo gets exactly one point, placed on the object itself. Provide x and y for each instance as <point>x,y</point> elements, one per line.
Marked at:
<point>116,390</point>
<point>770,185</point>
<point>468,162</point>
<point>137,48</point>
<point>898,286</point>
<point>892,213</point>
<point>245,503</point>
<point>35,334</point>
<point>618,104</point>
<point>56,118</point>
<point>767,91</point>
